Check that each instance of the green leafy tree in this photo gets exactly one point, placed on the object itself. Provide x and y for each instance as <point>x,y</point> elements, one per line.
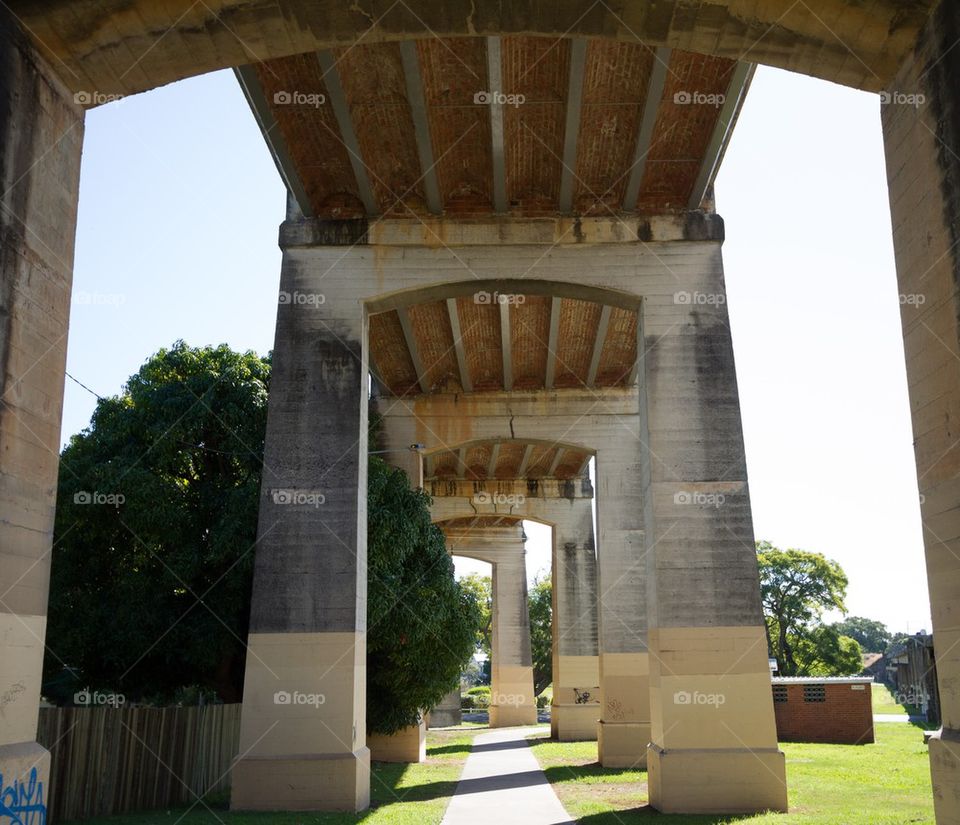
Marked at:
<point>796,587</point>
<point>155,527</point>
<point>825,652</point>
<point>153,552</point>
<point>540,604</point>
<point>482,589</point>
<point>871,635</point>
<point>422,624</point>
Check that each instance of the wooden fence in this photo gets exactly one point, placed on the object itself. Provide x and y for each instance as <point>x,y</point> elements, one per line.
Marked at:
<point>108,760</point>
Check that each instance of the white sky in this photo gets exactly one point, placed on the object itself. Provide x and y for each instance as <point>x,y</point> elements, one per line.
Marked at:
<point>177,234</point>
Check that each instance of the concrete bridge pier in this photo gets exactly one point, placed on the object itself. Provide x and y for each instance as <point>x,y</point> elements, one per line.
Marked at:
<point>303,725</point>
<point>576,676</point>
<point>511,685</point>
<point>921,130</point>
<point>624,726</point>
<point>713,737</point>
<point>41,130</point>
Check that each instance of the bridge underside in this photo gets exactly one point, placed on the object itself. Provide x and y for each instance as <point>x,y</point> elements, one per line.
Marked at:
<point>503,213</point>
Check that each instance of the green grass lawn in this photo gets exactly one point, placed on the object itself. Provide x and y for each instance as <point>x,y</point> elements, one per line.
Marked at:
<point>887,782</point>
<point>884,701</point>
<point>880,784</point>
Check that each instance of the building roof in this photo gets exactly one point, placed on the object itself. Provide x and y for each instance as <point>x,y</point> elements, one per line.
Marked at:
<point>819,680</point>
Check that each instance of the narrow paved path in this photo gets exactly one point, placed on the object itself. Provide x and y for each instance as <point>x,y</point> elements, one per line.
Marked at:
<point>502,784</point>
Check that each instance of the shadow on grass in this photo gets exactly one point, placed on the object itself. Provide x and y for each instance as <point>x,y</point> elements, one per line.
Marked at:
<point>385,788</point>
<point>437,750</point>
<point>647,814</point>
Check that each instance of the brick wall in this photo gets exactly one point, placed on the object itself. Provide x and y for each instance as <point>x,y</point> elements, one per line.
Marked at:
<point>843,716</point>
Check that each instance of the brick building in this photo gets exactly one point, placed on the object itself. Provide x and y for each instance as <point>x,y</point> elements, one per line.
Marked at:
<point>837,710</point>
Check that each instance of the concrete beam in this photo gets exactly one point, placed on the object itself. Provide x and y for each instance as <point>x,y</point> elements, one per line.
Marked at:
<point>506,346</point>
<point>522,469</point>
<point>276,144</point>
<point>552,339</point>
<point>546,488</point>
<point>495,74</point>
<point>736,92</point>
<point>411,342</point>
<point>556,462</point>
<point>421,126</point>
<point>458,347</point>
<point>341,111</point>
<point>583,466</point>
<point>651,104</point>
<point>598,342</point>
<point>560,231</point>
<point>492,464</point>
<point>578,59</point>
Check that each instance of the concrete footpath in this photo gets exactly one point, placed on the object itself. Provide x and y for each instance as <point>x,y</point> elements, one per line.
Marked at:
<point>503,784</point>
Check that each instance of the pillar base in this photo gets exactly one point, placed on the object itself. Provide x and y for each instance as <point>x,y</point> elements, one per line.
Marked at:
<point>406,745</point>
<point>723,781</point>
<point>302,782</point>
<point>447,713</point>
<point>511,716</point>
<point>944,747</point>
<point>445,718</point>
<point>623,744</point>
<point>25,767</point>
<point>574,723</point>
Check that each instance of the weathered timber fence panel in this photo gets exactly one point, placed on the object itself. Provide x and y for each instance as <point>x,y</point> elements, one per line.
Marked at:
<point>107,760</point>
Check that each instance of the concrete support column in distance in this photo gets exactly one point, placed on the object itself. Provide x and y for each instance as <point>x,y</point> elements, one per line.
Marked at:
<point>41,129</point>
<point>511,685</point>
<point>575,709</point>
<point>447,714</point>
<point>921,129</point>
<point>713,736</point>
<point>303,725</point>
<point>624,727</point>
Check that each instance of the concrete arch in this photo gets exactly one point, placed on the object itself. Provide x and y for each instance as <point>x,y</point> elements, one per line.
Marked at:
<point>504,286</point>
<point>60,57</point>
<point>478,441</point>
<point>856,44</point>
<point>438,338</point>
<point>513,518</point>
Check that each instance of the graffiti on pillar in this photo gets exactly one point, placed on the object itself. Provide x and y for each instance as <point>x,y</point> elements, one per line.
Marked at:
<point>21,801</point>
<point>615,711</point>
<point>9,696</point>
<point>586,697</point>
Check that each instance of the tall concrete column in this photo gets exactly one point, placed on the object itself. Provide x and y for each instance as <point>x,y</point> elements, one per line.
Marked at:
<point>713,736</point>
<point>303,726</point>
<point>921,128</point>
<point>575,709</point>
<point>511,685</point>
<point>41,131</point>
<point>624,727</point>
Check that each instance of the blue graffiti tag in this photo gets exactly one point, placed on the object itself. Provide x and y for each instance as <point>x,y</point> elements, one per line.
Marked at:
<point>22,802</point>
